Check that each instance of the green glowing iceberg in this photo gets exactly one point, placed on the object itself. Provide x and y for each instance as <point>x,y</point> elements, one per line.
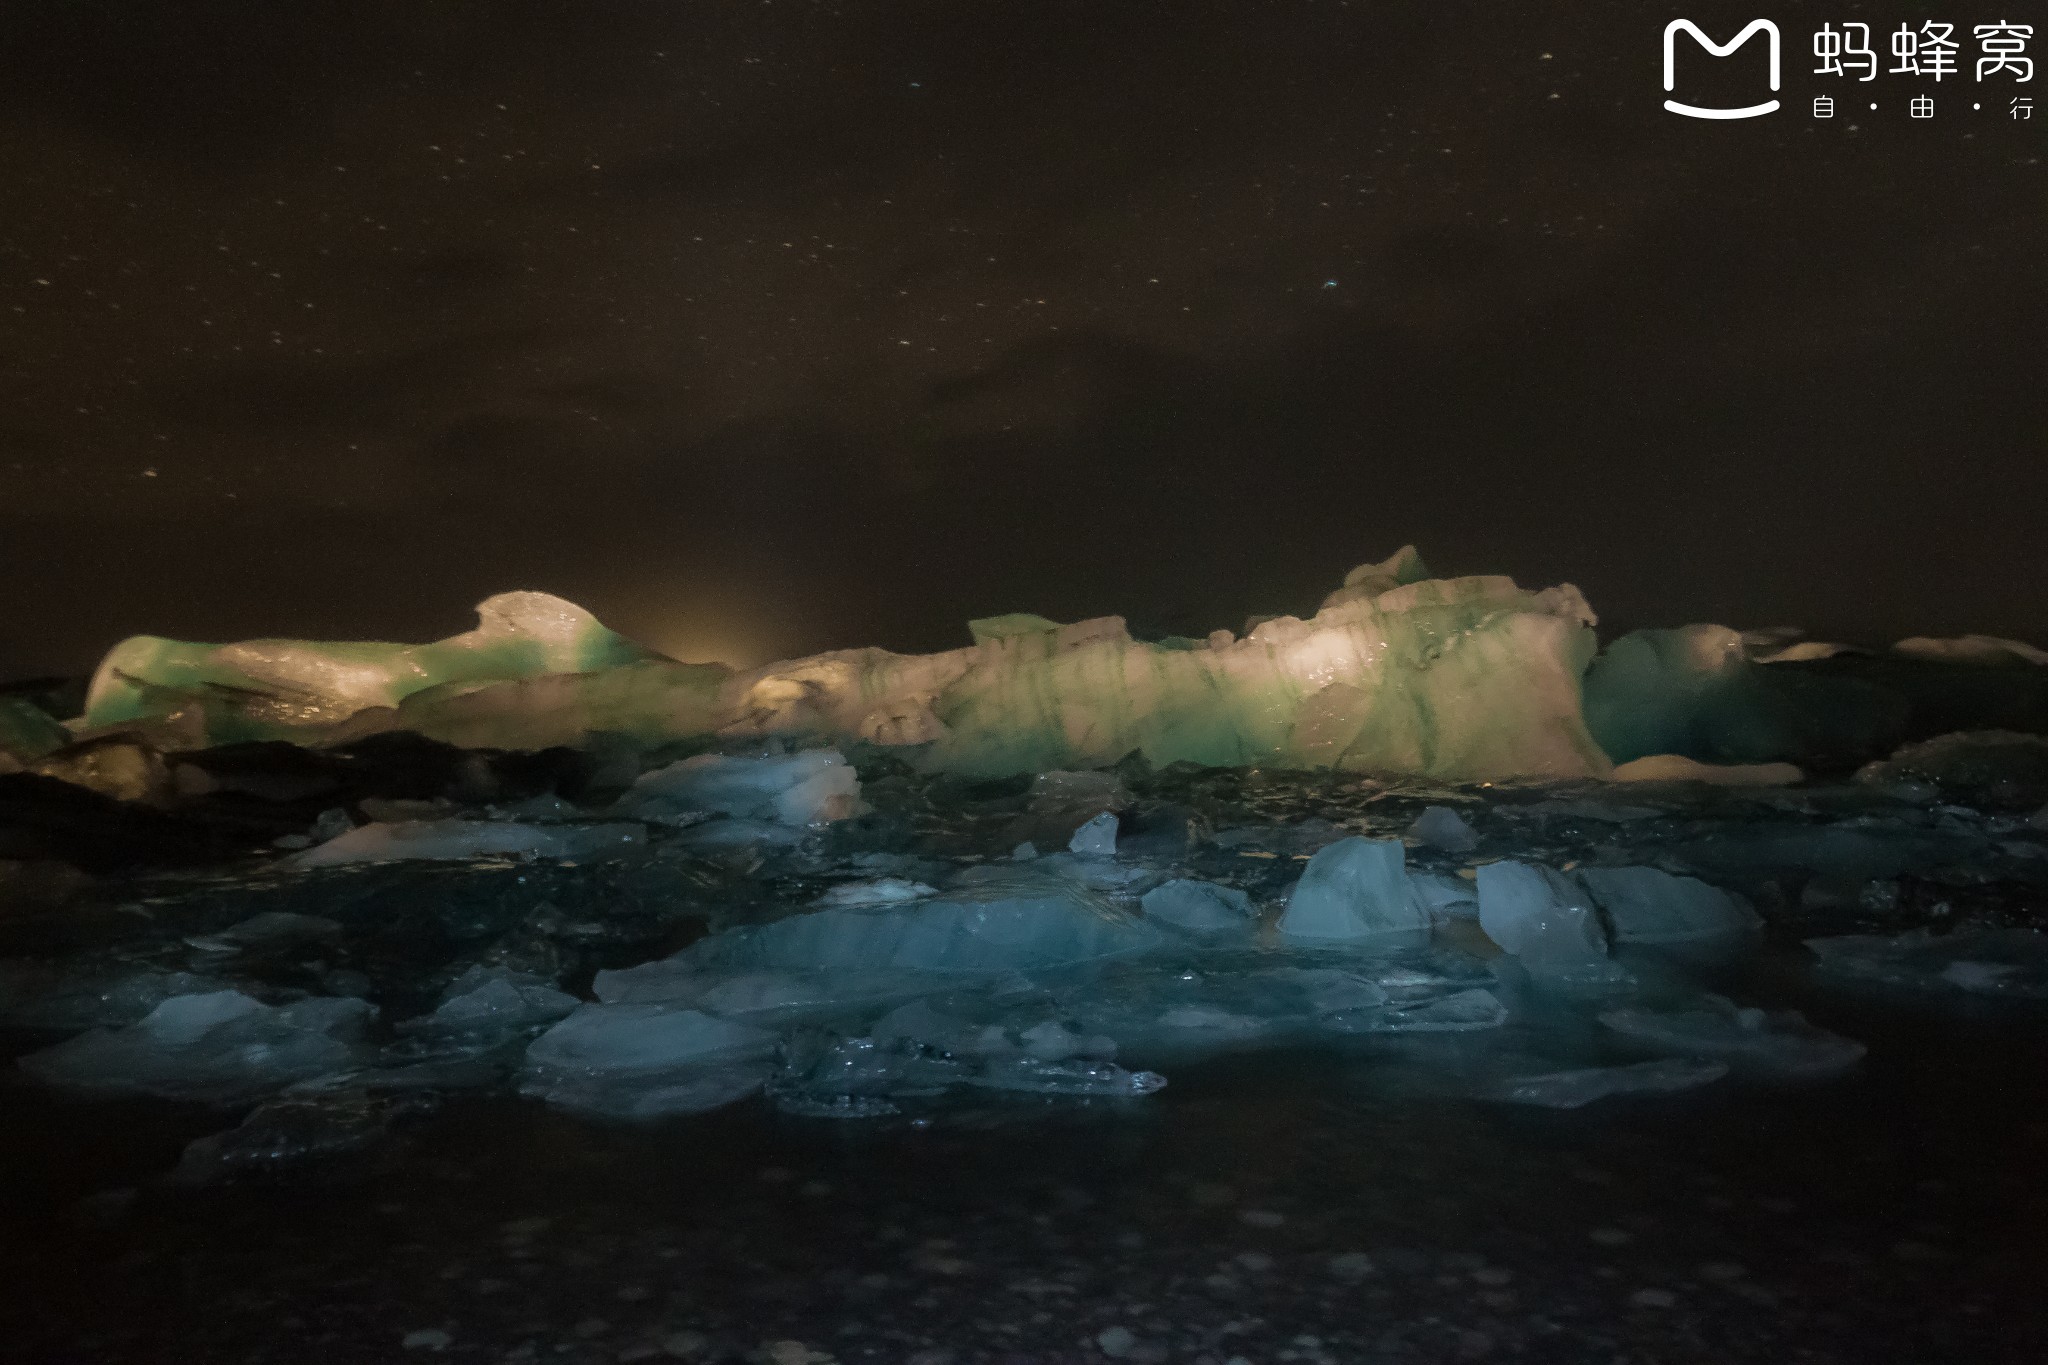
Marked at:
<point>1459,677</point>
<point>283,689</point>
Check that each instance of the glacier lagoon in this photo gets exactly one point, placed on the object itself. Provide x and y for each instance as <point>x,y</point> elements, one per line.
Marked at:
<point>313,916</point>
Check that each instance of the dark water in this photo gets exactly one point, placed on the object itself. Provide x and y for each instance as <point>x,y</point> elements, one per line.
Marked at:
<point>1268,1207</point>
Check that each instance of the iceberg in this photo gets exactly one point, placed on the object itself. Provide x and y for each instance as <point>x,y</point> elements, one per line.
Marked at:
<point>43,996</point>
<point>814,787</point>
<point>1014,919</point>
<point>1644,905</point>
<point>2008,964</point>
<point>1577,1088</point>
<point>276,689</point>
<point>1442,896</point>
<point>1546,920</point>
<point>1694,691</point>
<point>493,1001</point>
<point>1778,1042</point>
<point>463,840</point>
<point>1468,677</point>
<point>1353,889</point>
<point>313,1123</point>
<point>1441,827</point>
<point>644,1060</point>
<point>1999,767</point>
<point>219,1047</point>
<point>27,732</point>
<point>1199,907</point>
<point>1097,838</point>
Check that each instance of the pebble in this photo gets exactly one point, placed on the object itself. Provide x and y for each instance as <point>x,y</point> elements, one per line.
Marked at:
<point>427,1339</point>
<point>1611,1237</point>
<point>1261,1218</point>
<point>1116,1342</point>
<point>683,1345</point>
<point>1352,1265</point>
<point>1493,1275</point>
<point>1654,1298</point>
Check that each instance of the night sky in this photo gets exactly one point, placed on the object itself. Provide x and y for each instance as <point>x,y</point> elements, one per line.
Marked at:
<point>767,328</point>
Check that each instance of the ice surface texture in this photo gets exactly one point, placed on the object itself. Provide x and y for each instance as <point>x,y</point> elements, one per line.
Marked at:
<point>1459,677</point>
<point>638,1061</point>
<point>1773,1042</point>
<point>1353,889</point>
<point>1694,691</point>
<point>2009,964</point>
<point>1017,919</point>
<point>461,840</point>
<point>1575,1088</point>
<point>27,732</point>
<point>810,788</point>
<point>220,1047</point>
<point>269,688</point>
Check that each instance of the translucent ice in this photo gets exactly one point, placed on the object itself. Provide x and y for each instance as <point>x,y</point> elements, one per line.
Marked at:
<point>1442,896</point>
<point>1017,919</point>
<point>1467,677</point>
<point>27,732</point>
<point>462,840</point>
<point>1199,907</point>
<point>1693,691</point>
<point>1441,827</point>
<point>1353,889</point>
<point>494,1000</point>
<point>1779,1042</point>
<point>1999,963</point>
<point>1097,838</point>
<point>1071,1077</point>
<point>881,891</point>
<point>1459,1011</point>
<point>46,996</point>
<point>1463,677</point>
<point>1572,1089</point>
<point>265,689</point>
<point>1995,767</point>
<point>682,982</point>
<point>220,1047</point>
<point>1644,905</point>
<point>1543,917</point>
<point>636,1061</point>
<point>809,788</point>
<point>306,1124</point>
